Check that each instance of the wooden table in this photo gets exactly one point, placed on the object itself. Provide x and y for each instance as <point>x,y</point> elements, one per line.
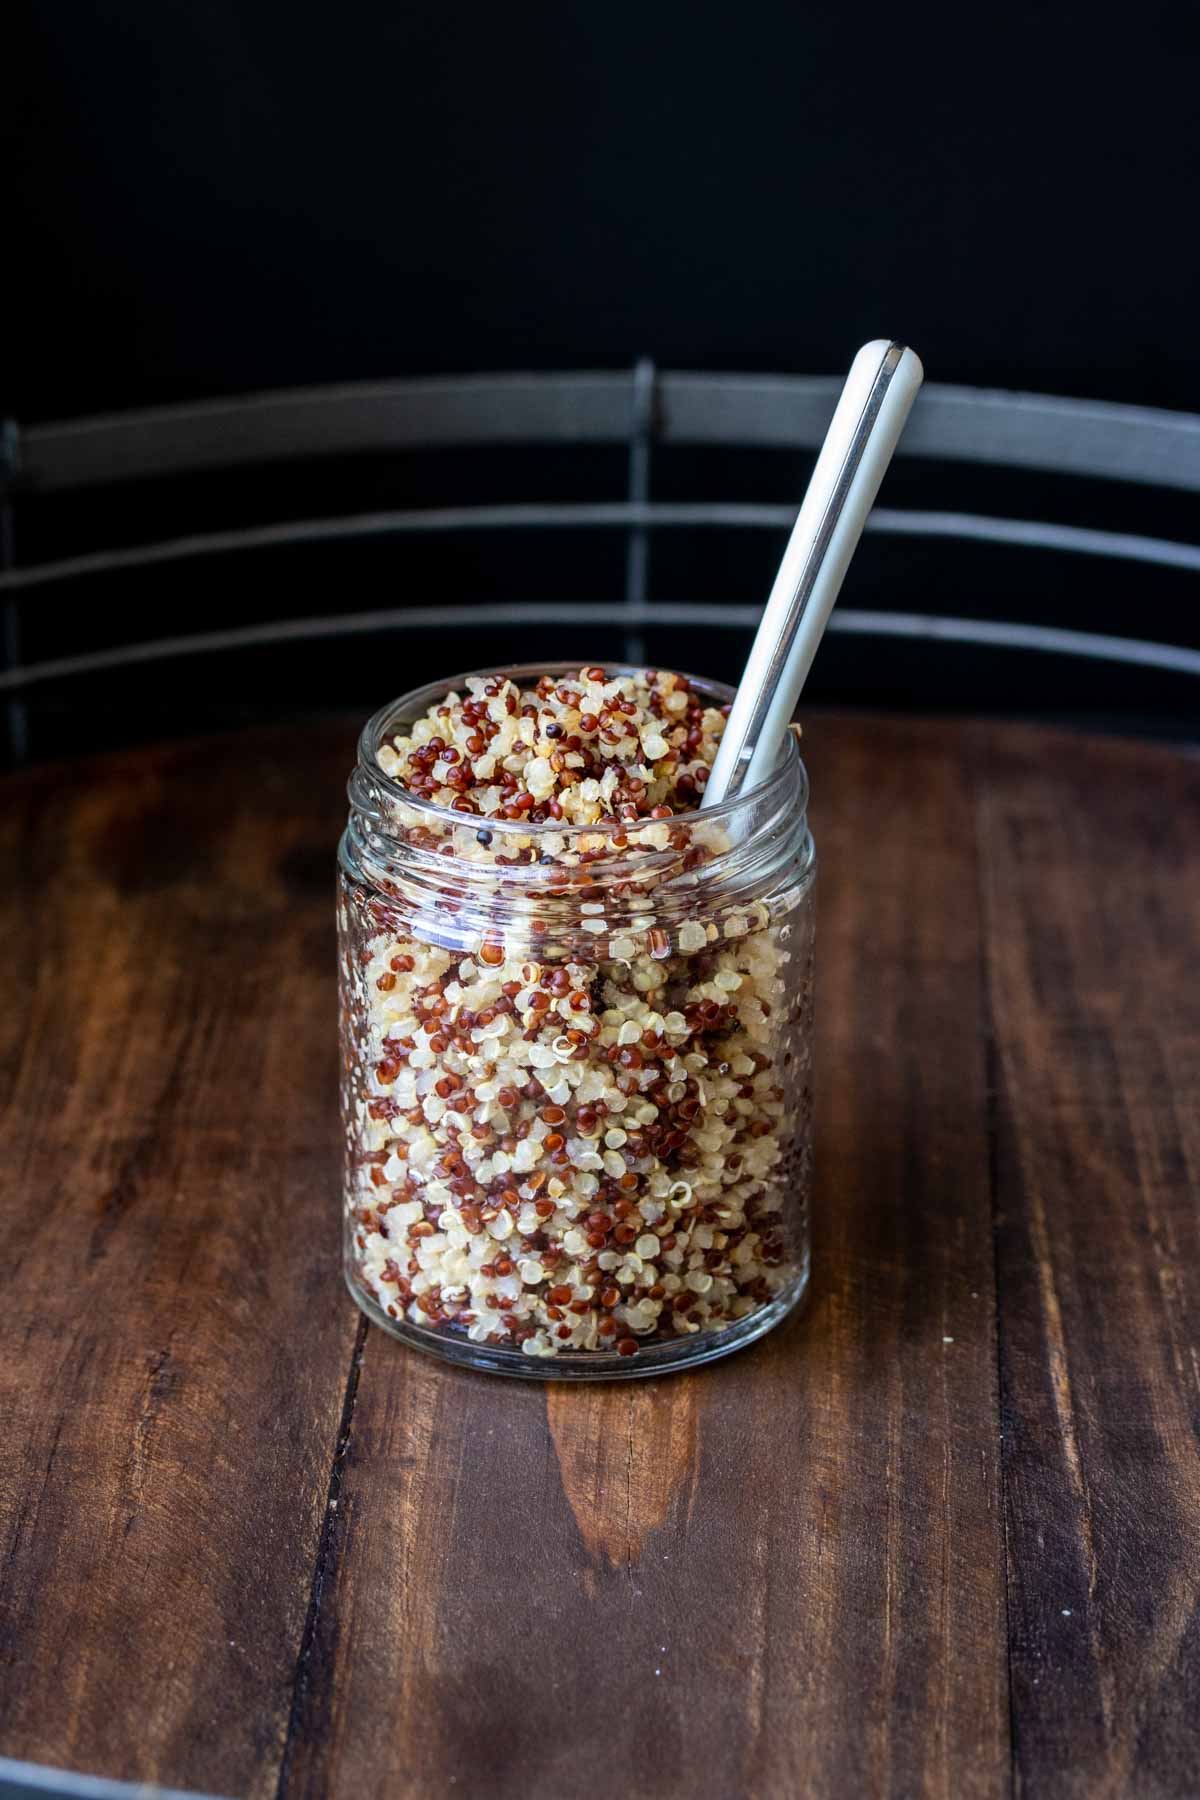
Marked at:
<point>940,1536</point>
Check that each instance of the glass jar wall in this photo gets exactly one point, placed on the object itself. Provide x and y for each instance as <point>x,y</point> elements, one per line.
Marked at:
<point>576,1066</point>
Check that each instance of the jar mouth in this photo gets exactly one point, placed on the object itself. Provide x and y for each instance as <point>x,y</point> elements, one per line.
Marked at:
<point>407,708</point>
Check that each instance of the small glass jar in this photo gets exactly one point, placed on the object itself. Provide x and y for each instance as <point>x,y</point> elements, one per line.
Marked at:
<point>577,1072</point>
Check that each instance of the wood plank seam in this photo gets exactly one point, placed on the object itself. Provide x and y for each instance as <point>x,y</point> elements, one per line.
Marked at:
<point>325,1563</point>
<point>992,1077</point>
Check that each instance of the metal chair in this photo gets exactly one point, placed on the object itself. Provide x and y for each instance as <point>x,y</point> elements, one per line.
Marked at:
<point>642,409</point>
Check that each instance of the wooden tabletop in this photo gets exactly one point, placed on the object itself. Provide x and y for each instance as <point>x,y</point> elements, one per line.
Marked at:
<point>940,1536</point>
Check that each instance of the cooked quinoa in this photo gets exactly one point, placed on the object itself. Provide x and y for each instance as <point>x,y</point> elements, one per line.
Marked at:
<point>573,1138</point>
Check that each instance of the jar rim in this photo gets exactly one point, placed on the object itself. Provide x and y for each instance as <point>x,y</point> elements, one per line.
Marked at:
<point>416,702</point>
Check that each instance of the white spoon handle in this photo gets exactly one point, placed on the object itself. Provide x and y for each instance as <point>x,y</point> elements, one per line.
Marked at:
<point>863,433</point>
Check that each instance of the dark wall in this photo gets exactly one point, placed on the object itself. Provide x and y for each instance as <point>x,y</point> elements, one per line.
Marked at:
<point>222,195</point>
<point>211,196</point>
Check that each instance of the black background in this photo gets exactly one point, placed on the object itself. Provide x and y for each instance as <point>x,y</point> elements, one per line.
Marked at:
<point>208,198</point>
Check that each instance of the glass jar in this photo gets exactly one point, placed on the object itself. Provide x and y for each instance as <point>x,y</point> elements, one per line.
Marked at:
<point>577,1071</point>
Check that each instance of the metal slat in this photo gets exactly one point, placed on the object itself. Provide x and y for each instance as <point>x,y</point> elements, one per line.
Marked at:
<point>1028,534</point>
<point>34,1781</point>
<point>961,424</point>
<point>1031,431</point>
<point>637,543</point>
<point>10,614</point>
<point>740,616</point>
<point>334,421</point>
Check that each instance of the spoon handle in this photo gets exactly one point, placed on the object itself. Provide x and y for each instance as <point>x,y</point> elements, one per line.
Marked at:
<point>863,433</point>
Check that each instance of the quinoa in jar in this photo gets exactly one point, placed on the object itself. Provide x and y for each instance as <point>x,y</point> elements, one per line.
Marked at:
<point>576,1026</point>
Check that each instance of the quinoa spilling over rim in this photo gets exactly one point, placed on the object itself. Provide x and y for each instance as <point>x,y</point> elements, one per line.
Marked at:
<point>576,1136</point>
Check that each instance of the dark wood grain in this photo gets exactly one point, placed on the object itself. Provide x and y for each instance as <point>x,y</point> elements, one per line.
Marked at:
<point>784,1574</point>
<point>939,1537</point>
<point>175,1343</point>
<point>1091,858</point>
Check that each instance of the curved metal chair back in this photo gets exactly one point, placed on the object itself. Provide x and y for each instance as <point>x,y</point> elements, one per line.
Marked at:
<point>641,409</point>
